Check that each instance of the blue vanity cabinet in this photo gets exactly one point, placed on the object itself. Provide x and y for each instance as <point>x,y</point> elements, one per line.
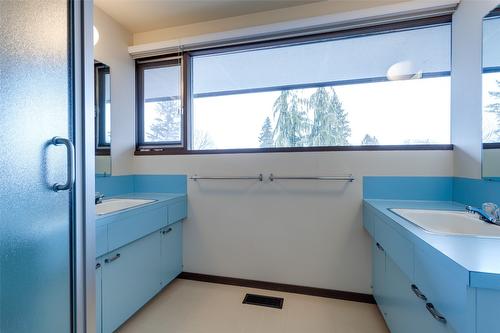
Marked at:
<point>394,286</point>
<point>131,275</point>
<point>139,252</point>
<point>171,252</point>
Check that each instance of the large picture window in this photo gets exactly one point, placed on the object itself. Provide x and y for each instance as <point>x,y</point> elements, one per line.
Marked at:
<point>384,88</point>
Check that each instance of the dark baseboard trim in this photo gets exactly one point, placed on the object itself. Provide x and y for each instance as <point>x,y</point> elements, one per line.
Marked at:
<point>289,288</point>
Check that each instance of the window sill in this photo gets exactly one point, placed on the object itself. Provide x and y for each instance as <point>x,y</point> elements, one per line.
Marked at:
<point>170,151</point>
<point>103,152</point>
<point>491,145</point>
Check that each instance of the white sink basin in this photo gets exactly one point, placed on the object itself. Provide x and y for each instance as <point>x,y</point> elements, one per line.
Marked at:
<point>114,205</point>
<point>449,222</point>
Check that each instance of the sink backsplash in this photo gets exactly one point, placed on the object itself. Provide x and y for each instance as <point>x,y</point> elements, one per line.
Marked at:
<point>116,185</point>
<point>464,190</point>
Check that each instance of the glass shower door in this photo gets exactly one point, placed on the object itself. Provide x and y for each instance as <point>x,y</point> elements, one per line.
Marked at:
<point>36,217</point>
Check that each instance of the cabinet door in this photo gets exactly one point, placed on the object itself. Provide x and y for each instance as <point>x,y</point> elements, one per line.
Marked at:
<point>378,275</point>
<point>406,313</point>
<point>98,296</point>
<point>131,275</point>
<point>487,311</point>
<point>171,252</point>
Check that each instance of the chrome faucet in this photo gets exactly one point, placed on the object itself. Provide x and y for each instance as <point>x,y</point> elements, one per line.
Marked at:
<point>98,197</point>
<point>489,213</point>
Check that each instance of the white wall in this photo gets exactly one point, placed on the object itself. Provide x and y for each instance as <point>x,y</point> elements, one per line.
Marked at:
<point>466,93</point>
<point>112,49</point>
<point>491,163</point>
<point>303,232</point>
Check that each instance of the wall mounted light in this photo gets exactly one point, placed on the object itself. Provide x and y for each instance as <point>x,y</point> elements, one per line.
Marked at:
<point>403,70</point>
<point>96,36</point>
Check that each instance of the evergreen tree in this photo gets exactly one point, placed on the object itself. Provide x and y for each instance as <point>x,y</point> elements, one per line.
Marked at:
<point>167,127</point>
<point>495,106</point>
<point>330,126</point>
<point>266,134</point>
<point>292,122</point>
<point>369,140</point>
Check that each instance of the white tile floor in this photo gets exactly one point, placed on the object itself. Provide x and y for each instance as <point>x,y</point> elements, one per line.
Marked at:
<point>198,307</point>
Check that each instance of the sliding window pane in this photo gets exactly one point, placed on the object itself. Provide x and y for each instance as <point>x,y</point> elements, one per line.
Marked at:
<point>162,112</point>
<point>326,93</point>
<point>491,80</point>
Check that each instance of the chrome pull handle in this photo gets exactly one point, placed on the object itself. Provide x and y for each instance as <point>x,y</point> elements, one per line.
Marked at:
<point>430,307</point>
<point>418,293</point>
<point>166,231</point>
<point>70,173</point>
<point>97,266</point>
<point>379,247</point>
<point>110,260</point>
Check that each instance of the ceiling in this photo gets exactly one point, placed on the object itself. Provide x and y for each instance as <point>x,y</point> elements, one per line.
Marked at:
<point>145,15</point>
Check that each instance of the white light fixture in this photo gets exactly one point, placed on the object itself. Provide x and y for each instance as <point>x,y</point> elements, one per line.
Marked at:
<point>96,36</point>
<point>403,70</point>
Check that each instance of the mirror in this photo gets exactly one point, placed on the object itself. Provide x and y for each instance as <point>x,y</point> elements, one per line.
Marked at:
<point>102,93</point>
<point>491,95</point>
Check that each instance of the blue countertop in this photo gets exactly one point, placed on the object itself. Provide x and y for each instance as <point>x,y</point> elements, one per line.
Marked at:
<point>162,199</point>
<point>479,255</point>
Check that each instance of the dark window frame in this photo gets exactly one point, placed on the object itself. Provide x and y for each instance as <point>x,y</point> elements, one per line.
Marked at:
<point>102,148</point>
<point>140,67</point>
<point>158,149</point>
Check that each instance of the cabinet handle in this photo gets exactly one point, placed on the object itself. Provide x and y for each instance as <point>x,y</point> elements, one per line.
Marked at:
<point>166,231</point>
<point>430,307</point>
<point>380,247</point>
<point>97,266</point>
<point>418,292</point>
<point>116,256</point>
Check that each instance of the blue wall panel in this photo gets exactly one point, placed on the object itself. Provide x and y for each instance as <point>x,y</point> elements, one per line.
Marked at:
<point>408,188</point>
<point>160,183</point>
<point>464,190</point>
<point>116,185</point>
<point>475,191</point>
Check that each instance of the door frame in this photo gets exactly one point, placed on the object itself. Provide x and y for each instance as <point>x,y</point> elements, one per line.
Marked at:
<point>83,258</point>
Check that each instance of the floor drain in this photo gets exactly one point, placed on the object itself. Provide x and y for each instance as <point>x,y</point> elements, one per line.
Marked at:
<point>261,300</point>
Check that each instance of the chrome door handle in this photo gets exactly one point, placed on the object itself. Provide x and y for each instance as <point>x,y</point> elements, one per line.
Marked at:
<point>166,231</point>
<point>70,173</point>
<point>109,260</point>
<point>417,292</point>
<point>379,247</point>
<point>430,307</point>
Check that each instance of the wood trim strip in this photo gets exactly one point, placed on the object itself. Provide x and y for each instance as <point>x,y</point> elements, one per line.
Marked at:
<point>177,151</point>
<point>492,145</point>
<point>289,288</point>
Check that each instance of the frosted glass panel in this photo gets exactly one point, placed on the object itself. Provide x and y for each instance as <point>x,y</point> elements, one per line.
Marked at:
<point>491,42</point>
<point>425,50</point>
<point>35,221</point>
